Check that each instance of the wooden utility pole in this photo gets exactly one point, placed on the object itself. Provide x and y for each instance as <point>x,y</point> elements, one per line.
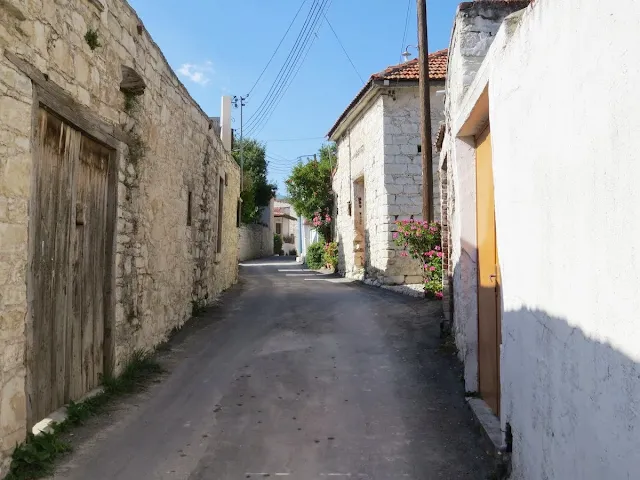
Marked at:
<point>425,113</point>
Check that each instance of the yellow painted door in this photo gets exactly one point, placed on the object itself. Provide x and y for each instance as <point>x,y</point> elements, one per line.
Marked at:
<point>489,329</point>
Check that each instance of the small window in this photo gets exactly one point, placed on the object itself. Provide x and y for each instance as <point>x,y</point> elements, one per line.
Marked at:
<point>279,228</point>
<point>189,205</point>
<point>419,148</point>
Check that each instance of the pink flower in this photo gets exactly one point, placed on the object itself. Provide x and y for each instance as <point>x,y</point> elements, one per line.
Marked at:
<point>432,269</point>
<point>438,294</point>
<point>439,254</point>
<point>437,247</point>
<point>404,254</point>
<point>395,235</point>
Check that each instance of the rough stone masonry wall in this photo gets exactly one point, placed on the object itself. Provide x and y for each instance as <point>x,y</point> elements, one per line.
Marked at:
<point>162,265</point>
<point>360,153</point>
<point>403,173</point>
<point>256,241</point>
<point>384,148</point>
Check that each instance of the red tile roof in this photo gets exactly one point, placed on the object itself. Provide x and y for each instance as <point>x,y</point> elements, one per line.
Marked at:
<point>411,70</point>
<point>406,71</point>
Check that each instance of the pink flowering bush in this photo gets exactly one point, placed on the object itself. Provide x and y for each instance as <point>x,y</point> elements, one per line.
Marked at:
<point>421,240</point>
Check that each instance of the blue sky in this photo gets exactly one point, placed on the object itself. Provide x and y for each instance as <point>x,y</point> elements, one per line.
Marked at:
<point>220,48</point>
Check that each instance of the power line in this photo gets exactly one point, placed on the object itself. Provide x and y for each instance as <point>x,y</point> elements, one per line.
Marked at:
<point>295,74</point>
<point>279,44</point>
<point>260,121</point>
<point>343,49</point>
<point>286,87</point>
<point>293,139</point>
<point>290,74</point>
<point>278,157</point>
<point>293,51</point>
<point>406,25</point>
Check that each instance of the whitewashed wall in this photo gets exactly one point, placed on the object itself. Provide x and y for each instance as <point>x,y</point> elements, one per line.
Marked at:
<point>474,30</point>
<point>565,112</point>
<point>360,152</point>
<point>382,146</point>
<point>567,194</point>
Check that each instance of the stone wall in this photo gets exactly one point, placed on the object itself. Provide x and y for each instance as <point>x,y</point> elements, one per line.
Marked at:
<point>361,155</point>
<point>162,265</point>
<point>403,172</point>
<point>382,148</point>
<point>256,241</point>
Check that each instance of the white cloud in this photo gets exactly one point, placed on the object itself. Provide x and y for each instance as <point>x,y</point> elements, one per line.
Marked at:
<point>197,73</point>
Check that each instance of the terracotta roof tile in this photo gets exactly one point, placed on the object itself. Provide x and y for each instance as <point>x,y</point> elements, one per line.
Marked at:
<point>411,70</point>
<point>406,71</point>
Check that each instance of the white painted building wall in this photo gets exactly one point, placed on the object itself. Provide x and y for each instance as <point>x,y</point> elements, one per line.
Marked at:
<point>564,109</point>
<point>382,147</point>
<point>360,153</point>
<point>474,30</point>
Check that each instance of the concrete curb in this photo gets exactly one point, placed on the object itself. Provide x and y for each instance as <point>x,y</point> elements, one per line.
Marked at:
<point>490,426</point>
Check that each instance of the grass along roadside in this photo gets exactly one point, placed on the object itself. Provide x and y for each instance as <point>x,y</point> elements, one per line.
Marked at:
<point>35,457</point>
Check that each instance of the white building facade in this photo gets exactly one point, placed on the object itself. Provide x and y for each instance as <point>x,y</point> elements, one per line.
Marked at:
<point>378,179</point>
<point>540,148</point>
<point>286,225</point>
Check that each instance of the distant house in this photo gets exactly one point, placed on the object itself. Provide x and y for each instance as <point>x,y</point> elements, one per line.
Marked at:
<point>286,224</point>
<point>378,179</point>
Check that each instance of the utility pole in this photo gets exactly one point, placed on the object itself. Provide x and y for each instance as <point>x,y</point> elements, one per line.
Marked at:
<point>425,114</point>
<point>238,102</point>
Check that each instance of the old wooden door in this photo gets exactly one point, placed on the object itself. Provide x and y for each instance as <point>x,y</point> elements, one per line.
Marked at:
<point>69,265</point>
<point>489,329</point>
<point>359,221</point>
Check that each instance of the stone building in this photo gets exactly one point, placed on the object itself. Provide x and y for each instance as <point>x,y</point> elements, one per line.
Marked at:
<point>378,178</point>
<point>118,202</point>
<point>540,149</point>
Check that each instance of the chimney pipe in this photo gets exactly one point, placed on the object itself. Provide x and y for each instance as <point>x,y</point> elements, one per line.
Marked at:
<point>225,122</point>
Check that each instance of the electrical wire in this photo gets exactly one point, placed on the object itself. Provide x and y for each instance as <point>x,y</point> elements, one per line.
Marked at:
<point>286,88</point>
<point>290,75</point>
<point>278,47</point>
<point>406,25</point>
<point>283,68</point>
<point>292,139</point>
<point>344,49</point>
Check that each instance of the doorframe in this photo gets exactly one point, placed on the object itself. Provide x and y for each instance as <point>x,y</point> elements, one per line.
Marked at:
<point>473,118</point>
<point>485,127</point>
<point>51,97</point>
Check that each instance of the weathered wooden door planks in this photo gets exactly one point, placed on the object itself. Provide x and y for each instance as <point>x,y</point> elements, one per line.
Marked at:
<point>70,262</point>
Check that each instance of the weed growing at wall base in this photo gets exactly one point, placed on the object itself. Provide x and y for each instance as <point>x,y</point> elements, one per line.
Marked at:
<point>35,457</point>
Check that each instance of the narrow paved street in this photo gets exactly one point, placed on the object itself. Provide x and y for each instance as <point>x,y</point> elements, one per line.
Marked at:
<point>297,377</point>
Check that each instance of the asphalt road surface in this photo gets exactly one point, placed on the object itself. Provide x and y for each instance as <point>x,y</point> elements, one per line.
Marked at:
<point>296,376</point>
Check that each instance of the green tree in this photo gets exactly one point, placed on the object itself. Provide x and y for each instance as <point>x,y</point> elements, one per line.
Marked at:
<point>309,187</point>
<point>256,190</point>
